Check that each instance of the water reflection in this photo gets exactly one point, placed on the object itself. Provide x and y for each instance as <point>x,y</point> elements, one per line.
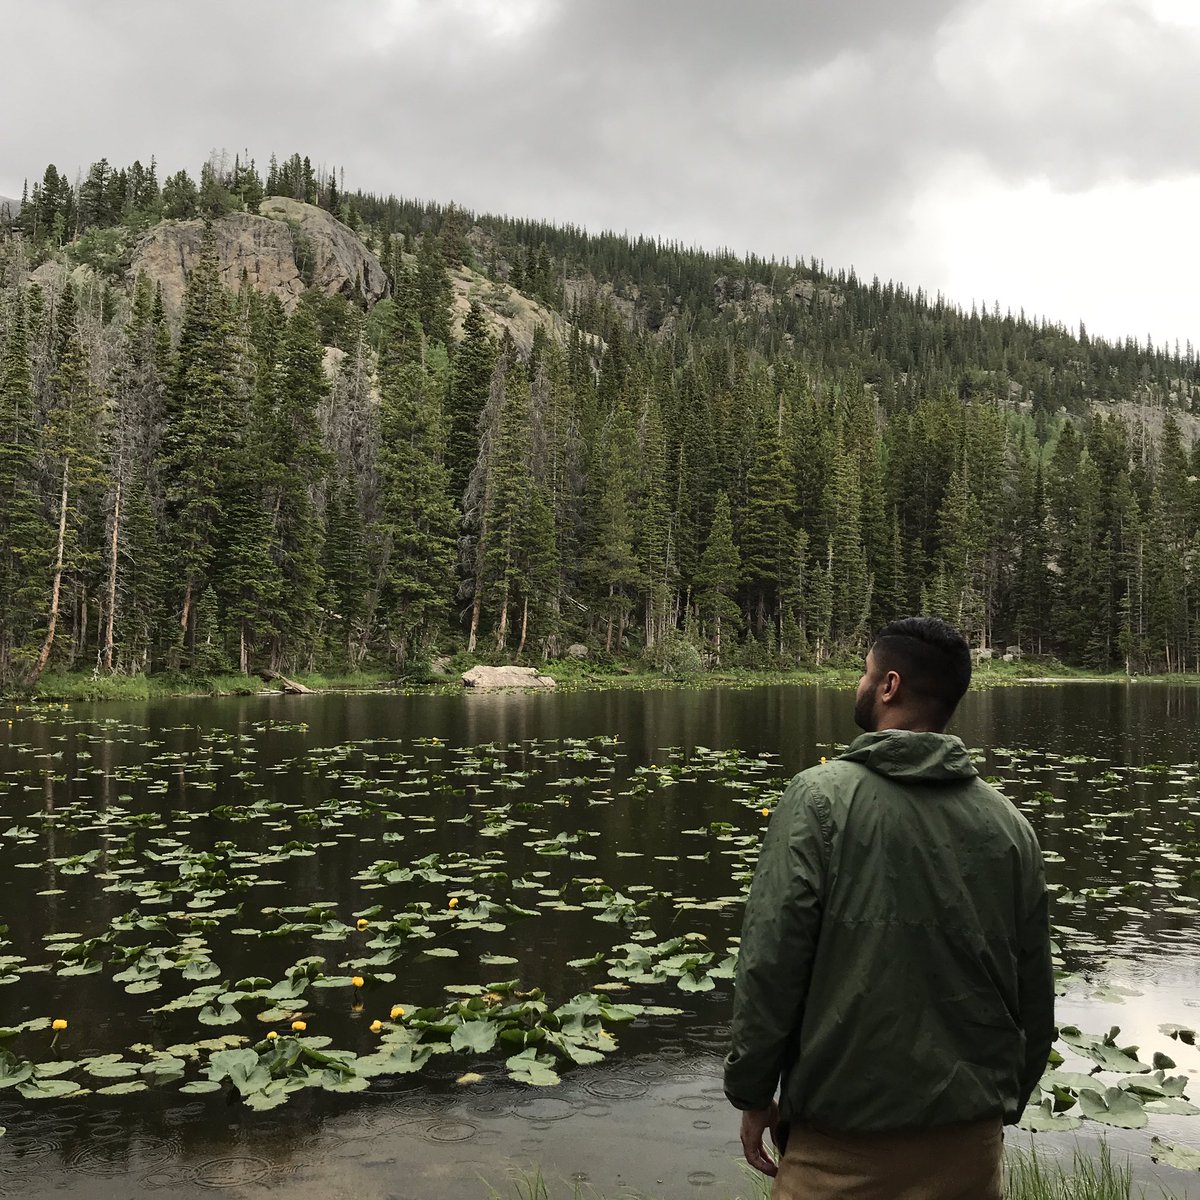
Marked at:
<point>1118,833</point>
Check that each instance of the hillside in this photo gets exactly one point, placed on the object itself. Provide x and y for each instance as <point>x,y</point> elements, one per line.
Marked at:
<point>259,421</point>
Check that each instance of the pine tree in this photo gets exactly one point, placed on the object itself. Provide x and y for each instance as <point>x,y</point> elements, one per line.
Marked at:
<point>478,500</point>
<point>847,561</point>
<point>295,463</point>
<point>717,576</point>
<point>250,587</point>
<point>555,453</point>
<point>417,519</point>
<point>453,235</point>
<point>506,511</point>
<point>962,547</point>
<point>470,382</point>
<point>541,562</point>
<point>766,535</point>
<point>180,197</point>
<point>1164,609</point>
<point>71,444</point>
<point>433,293</point>
<point>133,450</point>
<point>818,604</point>
<point>24,532</point>
<point>1031,583</point>
<point>656,553</point>
<point>206,407</point>
<point>140,582</point>
<point>611,567</point>
<point>347,575</point>
<point>1081,603</point>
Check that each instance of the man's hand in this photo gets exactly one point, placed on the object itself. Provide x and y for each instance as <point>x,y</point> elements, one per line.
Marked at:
<point>755,1122</point>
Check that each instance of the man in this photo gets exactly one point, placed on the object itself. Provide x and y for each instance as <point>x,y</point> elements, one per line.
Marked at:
<point>894,978</point>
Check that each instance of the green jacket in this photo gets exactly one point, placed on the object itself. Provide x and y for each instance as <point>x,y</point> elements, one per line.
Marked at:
<point>894,969</point>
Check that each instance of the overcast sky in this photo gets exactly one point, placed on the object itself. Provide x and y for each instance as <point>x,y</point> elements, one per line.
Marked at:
<point>1041,153</point>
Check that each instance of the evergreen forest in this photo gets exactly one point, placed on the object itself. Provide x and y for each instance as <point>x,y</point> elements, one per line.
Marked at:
<point>693,455</point>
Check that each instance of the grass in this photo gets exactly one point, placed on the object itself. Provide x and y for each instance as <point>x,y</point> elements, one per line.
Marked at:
<point>84,686</point>
<point>1089,1177</point>
<point>1029,1176</point>
<point>570,674</point>
<point>531,1185</point>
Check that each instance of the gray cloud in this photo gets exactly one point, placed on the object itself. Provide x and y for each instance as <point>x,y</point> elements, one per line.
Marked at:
<point>787,127</point>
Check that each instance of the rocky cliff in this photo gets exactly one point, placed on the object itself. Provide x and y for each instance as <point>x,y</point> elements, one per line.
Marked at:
<point>339,262</point>
<point>291,247</point>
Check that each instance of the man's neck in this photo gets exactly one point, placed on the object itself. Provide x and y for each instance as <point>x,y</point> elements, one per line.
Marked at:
<point>913,724</point>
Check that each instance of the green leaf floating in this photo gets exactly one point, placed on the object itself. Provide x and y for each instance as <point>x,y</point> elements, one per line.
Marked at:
<point>47,1089</point>
<point>476,1037</point>
<point>122,1089</point>
<point>394,1060</point>
<point>219,1014</point>
<point>272,1094</point>
<point>1038,1118</point>
<point>13,1071</point>
<point>110,1066</point>
<point>1174,1154</point>
<point>1172,1106</point>
<point>532,1068</point>
<point>1114,1107</point>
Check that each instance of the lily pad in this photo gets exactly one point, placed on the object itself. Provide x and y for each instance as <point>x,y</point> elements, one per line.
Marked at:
<point>1175,1154</point>
<point>1113,1107</point>
<point>476,1037</point>
<point>1040,1118</point>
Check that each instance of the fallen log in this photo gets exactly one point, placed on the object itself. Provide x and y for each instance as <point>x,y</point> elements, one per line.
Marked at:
<point>290,686</point>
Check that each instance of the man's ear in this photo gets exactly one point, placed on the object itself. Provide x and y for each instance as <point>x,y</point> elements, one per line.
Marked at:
<point>891,688</point>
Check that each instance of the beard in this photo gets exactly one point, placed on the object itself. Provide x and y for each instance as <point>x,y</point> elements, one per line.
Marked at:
<point>864,712</point>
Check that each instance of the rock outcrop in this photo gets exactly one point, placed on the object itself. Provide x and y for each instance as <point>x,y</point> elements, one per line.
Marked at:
<point>294,247</point>
<point>255,248</point>
<point>53,275</point>
<point>489,678</point>
<point>340,262</point>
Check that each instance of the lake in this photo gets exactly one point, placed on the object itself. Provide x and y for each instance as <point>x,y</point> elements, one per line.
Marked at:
<point>549,886</point>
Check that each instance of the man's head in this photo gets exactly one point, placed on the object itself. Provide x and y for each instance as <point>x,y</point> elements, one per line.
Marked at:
<point>917,671</point>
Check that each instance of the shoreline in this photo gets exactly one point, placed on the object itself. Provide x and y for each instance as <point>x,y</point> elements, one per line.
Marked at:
<point>85,688</point>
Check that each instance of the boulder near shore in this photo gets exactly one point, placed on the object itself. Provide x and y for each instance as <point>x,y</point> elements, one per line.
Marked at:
<point>490,678</point>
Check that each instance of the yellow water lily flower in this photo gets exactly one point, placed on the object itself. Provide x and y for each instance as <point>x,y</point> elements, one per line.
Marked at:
<point>453,901</point>
<point>271,1035</point>
<point>397,1012</point>
<point>362,923</point>
<point>822,760</point>
<point>376,1026</point>
<point>358,981</point>
<point>58,1024</point>
<point>766,812</point>
<point>299,1026</point>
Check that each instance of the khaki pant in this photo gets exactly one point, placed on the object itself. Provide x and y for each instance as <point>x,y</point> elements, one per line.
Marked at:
<point>953,1162</point>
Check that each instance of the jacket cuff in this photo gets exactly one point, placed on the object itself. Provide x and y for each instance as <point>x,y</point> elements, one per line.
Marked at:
<point>744,1105</point>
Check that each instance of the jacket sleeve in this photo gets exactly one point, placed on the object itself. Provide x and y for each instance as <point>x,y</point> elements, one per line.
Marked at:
<point>1035,981</point>
<point>779,937</point>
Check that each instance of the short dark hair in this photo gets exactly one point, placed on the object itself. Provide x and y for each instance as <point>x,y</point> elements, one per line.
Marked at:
<point>931,657</point>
